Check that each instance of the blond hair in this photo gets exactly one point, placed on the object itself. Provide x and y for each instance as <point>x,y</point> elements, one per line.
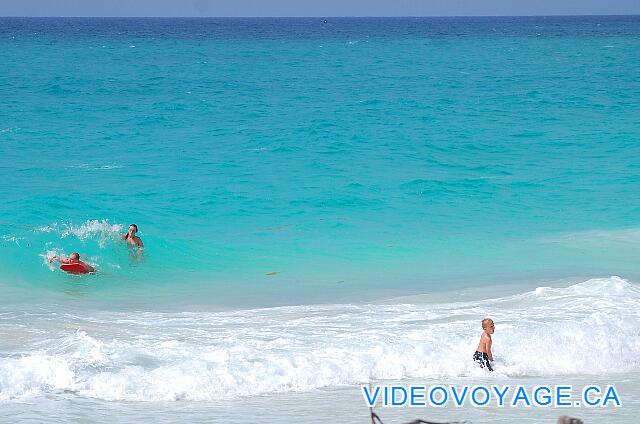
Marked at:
<point>486,322</point>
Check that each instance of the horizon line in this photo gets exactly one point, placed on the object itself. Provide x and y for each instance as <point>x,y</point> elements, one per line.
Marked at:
<point>318,17</point>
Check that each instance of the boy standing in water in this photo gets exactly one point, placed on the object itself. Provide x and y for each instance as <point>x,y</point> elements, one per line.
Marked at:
<point>483,354</point>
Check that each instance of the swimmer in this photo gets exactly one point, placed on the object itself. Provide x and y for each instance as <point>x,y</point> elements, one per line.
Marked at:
<point>132,238</point>
<point>483,354</point>
<point>74,258</point>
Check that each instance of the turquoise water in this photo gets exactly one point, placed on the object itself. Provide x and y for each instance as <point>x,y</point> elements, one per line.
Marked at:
<point>329,153</point>
<point>323,203</point>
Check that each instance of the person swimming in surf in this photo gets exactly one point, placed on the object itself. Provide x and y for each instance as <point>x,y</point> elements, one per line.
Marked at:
<point>74,258</point>
<point>483,354</point>
<point>132,238</point>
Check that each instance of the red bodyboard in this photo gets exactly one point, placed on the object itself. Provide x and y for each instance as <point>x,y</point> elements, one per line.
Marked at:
<point>74,268</point>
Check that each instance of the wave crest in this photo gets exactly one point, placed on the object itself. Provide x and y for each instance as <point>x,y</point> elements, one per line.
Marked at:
<point>590,328</point>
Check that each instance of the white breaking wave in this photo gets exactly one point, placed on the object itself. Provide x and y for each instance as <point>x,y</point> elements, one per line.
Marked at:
<point>101,230</point>
<point>89,167</point>
<point>12,239</point>
<point>49,254</point>
<point>589,328</point>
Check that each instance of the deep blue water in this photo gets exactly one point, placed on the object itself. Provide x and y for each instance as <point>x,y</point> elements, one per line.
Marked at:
<point>309,28</point>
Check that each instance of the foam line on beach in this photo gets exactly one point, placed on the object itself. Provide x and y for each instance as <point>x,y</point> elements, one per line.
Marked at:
<point>588,328</point>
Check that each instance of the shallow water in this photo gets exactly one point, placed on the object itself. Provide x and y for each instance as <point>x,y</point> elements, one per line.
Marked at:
<point>323,203</point>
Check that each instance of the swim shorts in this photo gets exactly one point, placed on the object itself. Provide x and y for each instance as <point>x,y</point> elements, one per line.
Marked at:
<point>482,359</point>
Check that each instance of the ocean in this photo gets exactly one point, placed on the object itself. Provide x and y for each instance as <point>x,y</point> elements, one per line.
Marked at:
<point>324,202</point>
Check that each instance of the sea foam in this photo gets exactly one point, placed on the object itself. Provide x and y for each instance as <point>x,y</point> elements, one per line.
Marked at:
<point>589,328</point>
<point>100,230</point>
